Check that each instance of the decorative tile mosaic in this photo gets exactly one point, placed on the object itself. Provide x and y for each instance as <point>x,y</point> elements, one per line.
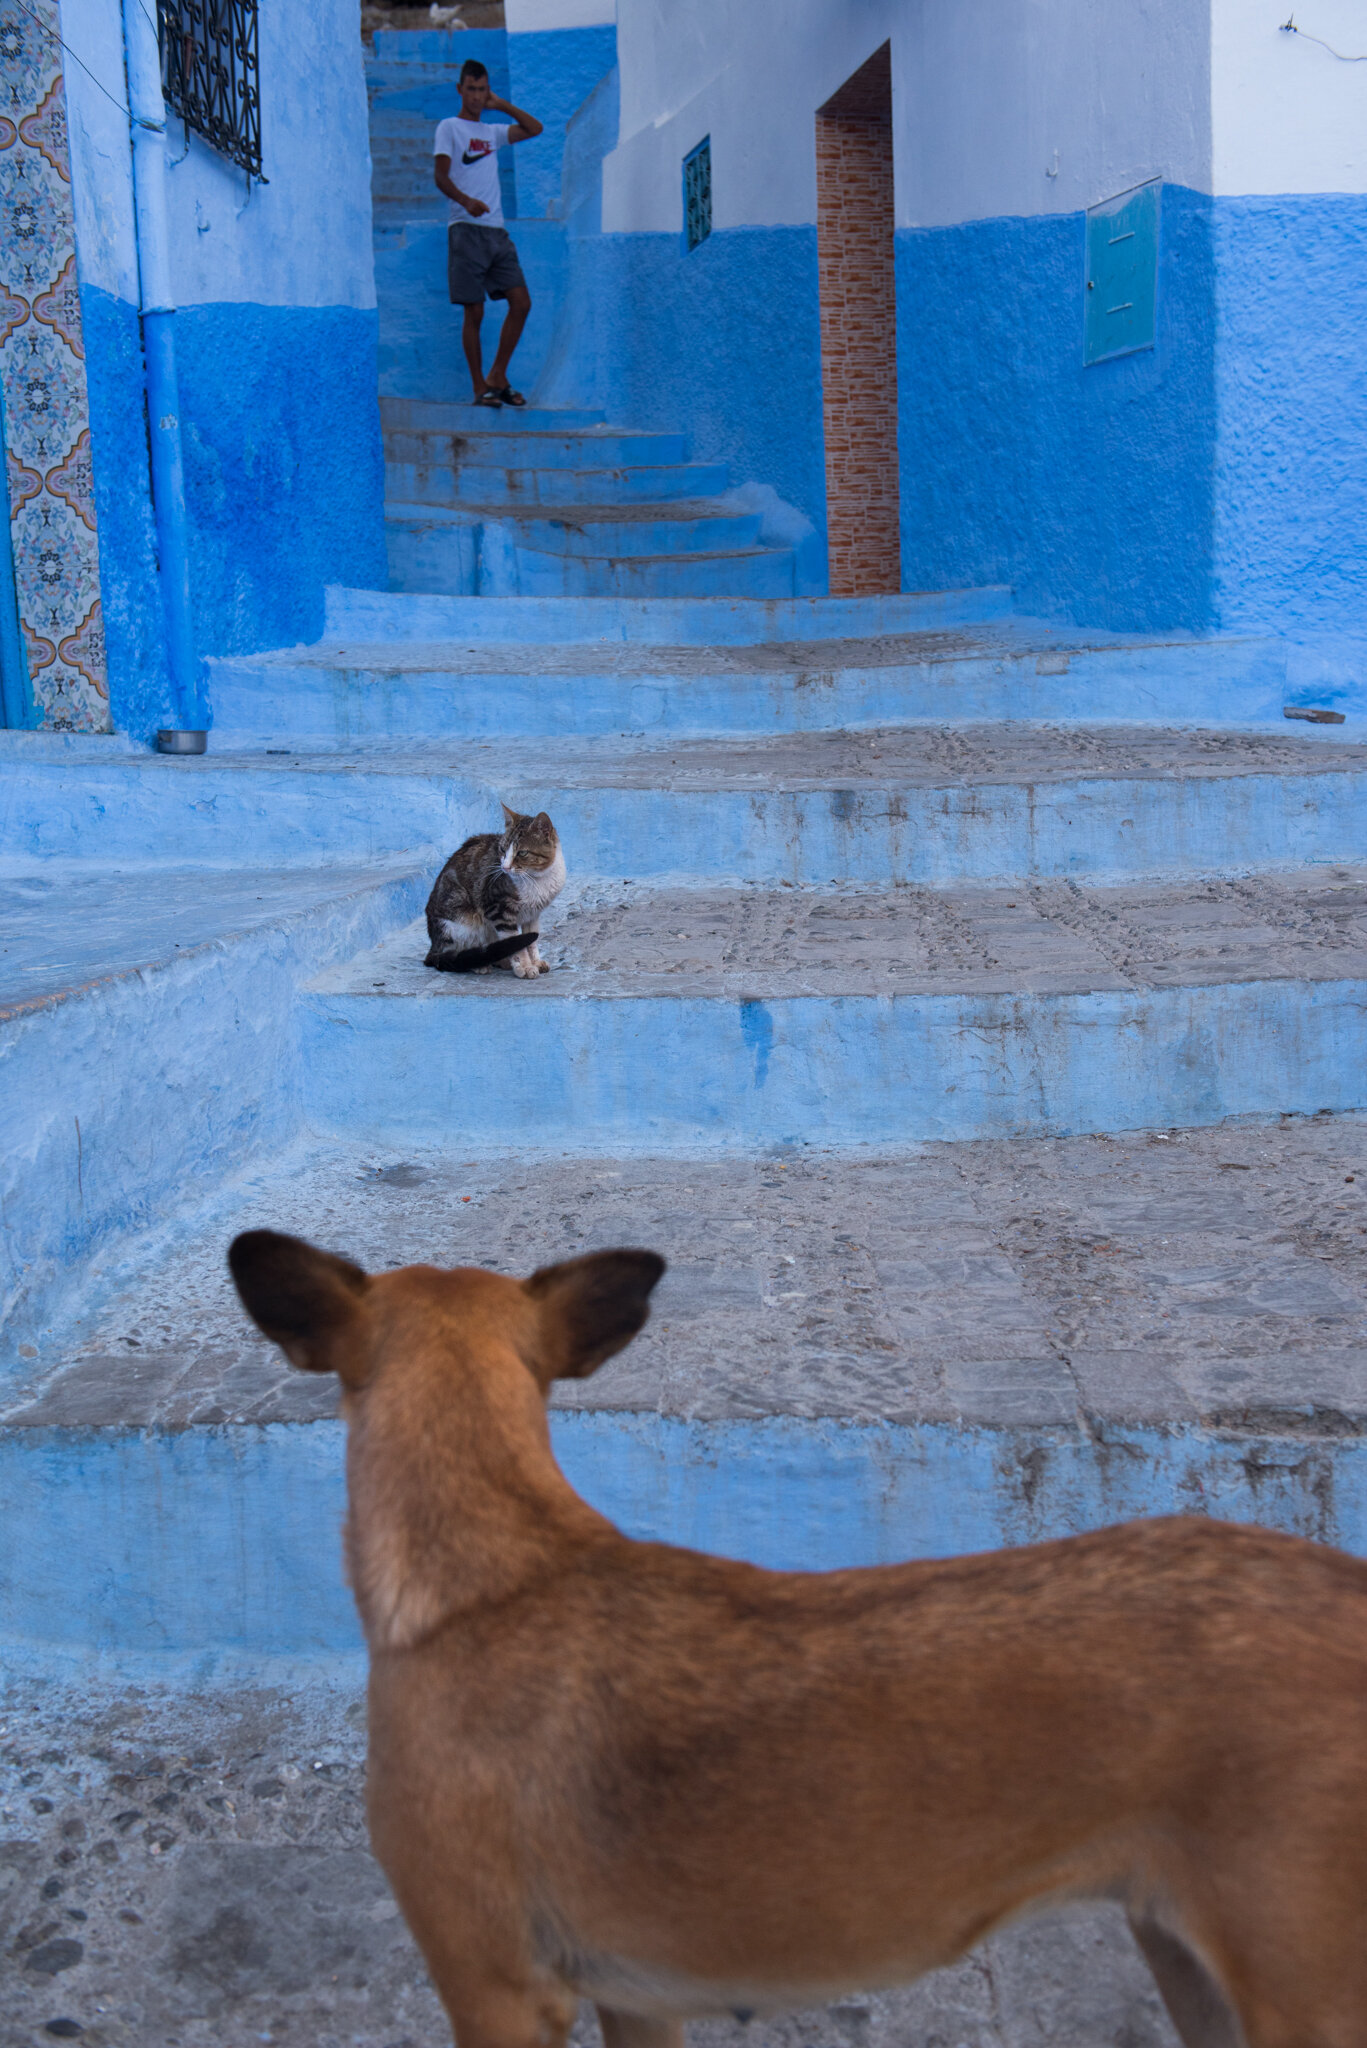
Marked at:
<point>42,374</point>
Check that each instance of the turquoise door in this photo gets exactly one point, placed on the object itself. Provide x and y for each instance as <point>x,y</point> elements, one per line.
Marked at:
<point>1122,273</point>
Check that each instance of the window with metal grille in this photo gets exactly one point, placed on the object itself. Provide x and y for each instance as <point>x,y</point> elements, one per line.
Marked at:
<point>697,181</point>
<point>209,74</point>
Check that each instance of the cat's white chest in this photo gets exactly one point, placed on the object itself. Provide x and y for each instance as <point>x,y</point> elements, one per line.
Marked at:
<point>535,891</point>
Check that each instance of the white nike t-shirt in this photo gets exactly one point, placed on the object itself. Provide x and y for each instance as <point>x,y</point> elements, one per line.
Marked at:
<point>473,148</point>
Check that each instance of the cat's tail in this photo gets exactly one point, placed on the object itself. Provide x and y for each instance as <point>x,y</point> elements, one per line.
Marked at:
<point>470,958</point>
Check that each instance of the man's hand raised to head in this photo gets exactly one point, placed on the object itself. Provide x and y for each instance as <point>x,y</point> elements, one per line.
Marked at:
<point>527,124</point>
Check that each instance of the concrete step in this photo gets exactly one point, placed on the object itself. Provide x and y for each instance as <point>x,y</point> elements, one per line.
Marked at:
<point>147,812</point>
<point>440,415</point>
<point>730,623</point>
<point>851,1359</point>
<point>754,572</point>
<point>688,526</point>
<point>743,1017</point>
<point>497,487</point>
<point>936,805</point>
<point>149,1045</point>
<point>447,549</point>
<point>537,441</point>
<point>643,676</point>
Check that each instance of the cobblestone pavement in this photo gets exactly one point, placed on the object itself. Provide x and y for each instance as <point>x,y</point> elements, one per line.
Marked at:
<point>613,939</point>
<point>1213,1274</point>
<point>194,1874</point>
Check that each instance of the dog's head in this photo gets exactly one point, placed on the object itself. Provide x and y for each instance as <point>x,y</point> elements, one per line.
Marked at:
<point>327,1315</point>
<point>455,1495</point>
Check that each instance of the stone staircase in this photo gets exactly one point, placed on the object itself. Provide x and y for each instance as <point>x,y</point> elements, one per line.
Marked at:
<point>538,503</point>
<point>970,1010</point>
<point>531,502</point>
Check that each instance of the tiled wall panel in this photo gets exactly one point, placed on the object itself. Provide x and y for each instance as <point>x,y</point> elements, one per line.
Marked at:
<point>42,374</point>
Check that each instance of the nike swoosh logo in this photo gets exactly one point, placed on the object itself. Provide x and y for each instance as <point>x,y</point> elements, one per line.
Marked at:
<point>475,154</point>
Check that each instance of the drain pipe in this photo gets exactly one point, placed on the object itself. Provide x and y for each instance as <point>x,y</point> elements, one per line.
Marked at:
<point>147,119</point>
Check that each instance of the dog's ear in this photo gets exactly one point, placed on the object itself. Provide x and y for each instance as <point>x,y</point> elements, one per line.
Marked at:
<point>589,1308</point>
<point>310,1303</point>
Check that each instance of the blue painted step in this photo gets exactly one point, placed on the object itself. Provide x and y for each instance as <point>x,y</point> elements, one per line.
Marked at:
<point>375,616</point>
<point>358,685</point>
<point>440,415</point>
<point>552,445</point>
<point>438,548</point>
<point>484,484</point>
<point>687,527</point>
<point>883,1027</point>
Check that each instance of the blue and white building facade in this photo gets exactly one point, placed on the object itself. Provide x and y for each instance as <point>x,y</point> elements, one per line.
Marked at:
<point>275,335</point>
<point>1213,478</point>
<point>1215,481</point>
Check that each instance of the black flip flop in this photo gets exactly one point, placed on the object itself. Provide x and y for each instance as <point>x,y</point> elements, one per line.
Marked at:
<point>491,399</point>
<point>507,396</point>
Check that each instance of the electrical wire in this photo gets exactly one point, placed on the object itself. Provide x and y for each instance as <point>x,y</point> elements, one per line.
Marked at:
<point>1289,29</point>
<point>40,23</point>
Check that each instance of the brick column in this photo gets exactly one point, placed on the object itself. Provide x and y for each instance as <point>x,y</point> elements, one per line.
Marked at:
<point>855,221</point>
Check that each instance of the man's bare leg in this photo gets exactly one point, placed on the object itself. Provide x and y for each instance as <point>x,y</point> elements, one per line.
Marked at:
<point>515,319</point>
<point>469,335</point>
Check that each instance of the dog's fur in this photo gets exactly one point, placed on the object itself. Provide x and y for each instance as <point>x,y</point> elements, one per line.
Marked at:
<point>679,1785</point>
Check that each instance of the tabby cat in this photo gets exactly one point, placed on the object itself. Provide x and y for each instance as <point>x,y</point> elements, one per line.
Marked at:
<point>484,907</point>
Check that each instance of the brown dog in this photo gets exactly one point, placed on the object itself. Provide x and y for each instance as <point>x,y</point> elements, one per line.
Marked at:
<point>679,1785</point>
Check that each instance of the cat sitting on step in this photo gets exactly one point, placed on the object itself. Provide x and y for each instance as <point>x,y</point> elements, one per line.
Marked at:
<point>484,908</point>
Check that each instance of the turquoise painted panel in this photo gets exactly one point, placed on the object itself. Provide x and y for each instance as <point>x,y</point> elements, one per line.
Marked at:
<point>1122,273</point>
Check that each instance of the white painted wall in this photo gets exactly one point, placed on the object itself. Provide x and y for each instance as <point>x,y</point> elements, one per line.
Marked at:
<point>528,17</point>
<point>303,239</point>
<point>1286,116</point>
<point>989,96</point>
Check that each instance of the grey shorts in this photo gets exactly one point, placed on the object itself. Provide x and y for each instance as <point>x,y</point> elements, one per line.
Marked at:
<point>481,263</point>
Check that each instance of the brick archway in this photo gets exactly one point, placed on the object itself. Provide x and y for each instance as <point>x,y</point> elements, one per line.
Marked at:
<point>855,228</point>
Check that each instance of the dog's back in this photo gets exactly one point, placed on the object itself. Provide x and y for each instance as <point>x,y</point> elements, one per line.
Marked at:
<point>679,1784</point>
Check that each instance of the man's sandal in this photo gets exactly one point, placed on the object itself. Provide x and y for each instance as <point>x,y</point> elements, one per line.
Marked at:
<point>491,398</point>
<point>507,396</point>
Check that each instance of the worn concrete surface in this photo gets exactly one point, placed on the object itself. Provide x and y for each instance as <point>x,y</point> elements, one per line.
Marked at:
<point>929,755</point>
<point>610,655</point>
<point>192,1873</point>
<point>61,933</point>
<point>1056,937</point>
<point>1213,1277</point>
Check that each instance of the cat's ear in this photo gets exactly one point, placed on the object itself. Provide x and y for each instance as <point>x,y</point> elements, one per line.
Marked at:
<point>588,1309</point>
<point>543,824</point>
<point>311,1303</point>
<point>509,817</point>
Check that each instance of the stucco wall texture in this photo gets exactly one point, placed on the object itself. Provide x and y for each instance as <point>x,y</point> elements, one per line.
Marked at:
<point>1090,490</point>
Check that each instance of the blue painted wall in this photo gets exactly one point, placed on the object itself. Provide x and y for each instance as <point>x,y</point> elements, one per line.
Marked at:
<point>277,345</point>
<point>1091,490</point>
<point>284,479</point>
<point>551,74</point>
<point>1215,482</point>
<point>139,688</point>
<point>1291,471</point>
<point>284,466</point>
<point>723,342</point>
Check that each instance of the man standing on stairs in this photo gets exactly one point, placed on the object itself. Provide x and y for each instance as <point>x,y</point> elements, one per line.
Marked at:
<point>481,261</point>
